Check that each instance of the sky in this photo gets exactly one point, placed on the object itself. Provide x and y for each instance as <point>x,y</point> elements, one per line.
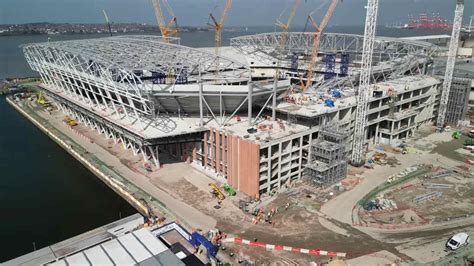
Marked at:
<point>196,12</point>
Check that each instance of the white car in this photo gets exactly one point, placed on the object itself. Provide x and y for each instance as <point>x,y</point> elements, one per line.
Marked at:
<point>457,241</point>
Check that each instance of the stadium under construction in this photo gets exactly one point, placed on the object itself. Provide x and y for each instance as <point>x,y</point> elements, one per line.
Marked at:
<point>231,116</point>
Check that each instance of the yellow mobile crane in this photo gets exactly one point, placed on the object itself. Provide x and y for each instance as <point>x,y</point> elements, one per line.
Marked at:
<point>169,29</point>
<point>217,25</point>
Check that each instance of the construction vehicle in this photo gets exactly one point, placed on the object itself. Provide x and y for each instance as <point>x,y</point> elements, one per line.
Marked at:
<point>217,26</point>
<point>169,29</point>
<point>316,40</point>
<point>230,190</point>
<point>71,122</point>
<point>40,98</point>
<point>217,191</point>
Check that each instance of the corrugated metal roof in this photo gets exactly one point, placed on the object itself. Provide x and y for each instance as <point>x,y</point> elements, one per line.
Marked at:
<point>77,259</point>
<point>139,247</point>
<point>97,256</point>
<point>135,248</point>
<point>146,238</point>
<point>117,253</point>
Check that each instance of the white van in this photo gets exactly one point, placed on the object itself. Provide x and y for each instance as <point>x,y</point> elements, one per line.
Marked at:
<point>457,241</point>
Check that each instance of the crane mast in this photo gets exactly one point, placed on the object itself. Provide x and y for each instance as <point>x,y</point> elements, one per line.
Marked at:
<point>363,92</point>
<point>218,25</point>
<point>317,35</point>
<point>448,76</point>
<point>284,36</point>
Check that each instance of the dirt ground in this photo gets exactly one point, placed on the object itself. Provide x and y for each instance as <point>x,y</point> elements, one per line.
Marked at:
<point>453,197</point>
<point>445,215</point>
<point>299,225</point>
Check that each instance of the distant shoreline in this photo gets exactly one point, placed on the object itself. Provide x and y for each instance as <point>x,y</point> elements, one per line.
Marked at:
<point>83,29</point>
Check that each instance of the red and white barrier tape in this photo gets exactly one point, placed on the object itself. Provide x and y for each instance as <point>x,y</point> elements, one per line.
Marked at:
<point>317,252</point>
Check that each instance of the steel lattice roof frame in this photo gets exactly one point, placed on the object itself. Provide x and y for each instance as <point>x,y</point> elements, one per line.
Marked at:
<point>264,46</point>
<point>113,63</point>
<point>137,53</point>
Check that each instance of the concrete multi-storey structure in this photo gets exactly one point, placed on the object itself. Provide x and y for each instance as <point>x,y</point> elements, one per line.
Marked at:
<point>216,112</point>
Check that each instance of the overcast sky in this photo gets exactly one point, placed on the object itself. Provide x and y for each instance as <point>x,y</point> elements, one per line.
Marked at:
<point>195,12</point>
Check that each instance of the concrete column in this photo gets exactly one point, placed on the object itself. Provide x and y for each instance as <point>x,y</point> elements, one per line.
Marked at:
<point>250,103</point>
<point>391,131</point>
<point>376,133</point>
<point>300,160</point>
<point>201,117</point>
<point>269,170</point>
<point>274,97</point>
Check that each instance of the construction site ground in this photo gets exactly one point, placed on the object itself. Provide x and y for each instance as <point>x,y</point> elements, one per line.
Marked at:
<point>307,217</point>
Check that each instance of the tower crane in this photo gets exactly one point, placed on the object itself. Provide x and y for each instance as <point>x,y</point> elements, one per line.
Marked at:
<point>317,35</point>
<point>167,29</point>
<point>284,36</point>
<point>107,21</point>
<point>363,92</point>
<point>218,25</point>
<point>448,76</point>
<point>285,26</point>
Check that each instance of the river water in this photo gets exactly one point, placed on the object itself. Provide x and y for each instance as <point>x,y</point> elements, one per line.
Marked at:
<point>46,195</point>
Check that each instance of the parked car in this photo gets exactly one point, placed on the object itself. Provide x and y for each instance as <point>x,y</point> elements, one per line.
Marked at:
<point>457,241</point>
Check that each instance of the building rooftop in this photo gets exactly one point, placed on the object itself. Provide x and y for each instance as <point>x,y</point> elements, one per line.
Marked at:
<point>428,37</point>
<point>266,130</point>
<point>124,242</point>
<point>315,103</point>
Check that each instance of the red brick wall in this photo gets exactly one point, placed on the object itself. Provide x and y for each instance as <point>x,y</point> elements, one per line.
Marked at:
<point>242,158</point>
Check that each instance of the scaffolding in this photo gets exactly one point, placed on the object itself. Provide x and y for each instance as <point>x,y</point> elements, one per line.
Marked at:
<point>328,163</point>
<point>457,102</point>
